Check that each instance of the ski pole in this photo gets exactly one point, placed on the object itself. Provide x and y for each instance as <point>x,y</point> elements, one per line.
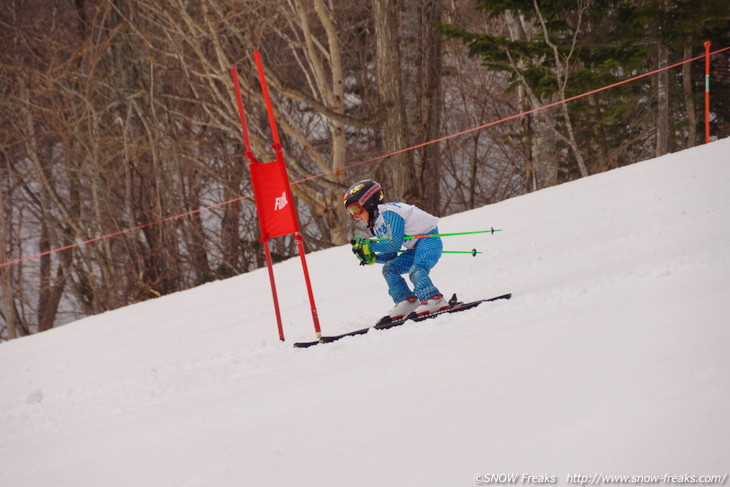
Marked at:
<point>434,235</point>
<point>473,252</point>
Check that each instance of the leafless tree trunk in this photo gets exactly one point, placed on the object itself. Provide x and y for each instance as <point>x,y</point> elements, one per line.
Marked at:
<point>688,99</point>
<point>331,90</point>
<point>409,61</point>
<point>8,284</point>
<point>393,133</point>
<point>425,113</point>
<point>543,163</point>
<point>662,117</point>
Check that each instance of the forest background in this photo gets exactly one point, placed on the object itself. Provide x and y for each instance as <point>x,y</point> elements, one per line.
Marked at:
<point>120,113</point>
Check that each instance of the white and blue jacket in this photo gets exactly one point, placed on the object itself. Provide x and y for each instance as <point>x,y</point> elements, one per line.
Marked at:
<point>397,220</point>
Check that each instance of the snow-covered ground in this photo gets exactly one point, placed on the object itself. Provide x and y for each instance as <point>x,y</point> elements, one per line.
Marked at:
<point>611,358</point>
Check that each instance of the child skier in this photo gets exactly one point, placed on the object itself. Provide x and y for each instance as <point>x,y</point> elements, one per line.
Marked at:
<point>364,200</point>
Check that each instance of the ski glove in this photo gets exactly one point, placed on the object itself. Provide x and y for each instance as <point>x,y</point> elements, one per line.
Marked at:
<point>361,248</point>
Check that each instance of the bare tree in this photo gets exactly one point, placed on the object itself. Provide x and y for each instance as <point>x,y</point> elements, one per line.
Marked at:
<point>409,61</point>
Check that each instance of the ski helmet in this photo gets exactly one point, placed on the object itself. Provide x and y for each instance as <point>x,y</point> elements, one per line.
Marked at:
<point>364,195</point>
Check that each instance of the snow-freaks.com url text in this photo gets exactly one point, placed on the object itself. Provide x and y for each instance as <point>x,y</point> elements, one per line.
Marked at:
<point>598,479</point>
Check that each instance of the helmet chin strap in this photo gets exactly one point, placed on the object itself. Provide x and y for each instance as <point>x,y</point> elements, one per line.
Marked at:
<point>371,220</point>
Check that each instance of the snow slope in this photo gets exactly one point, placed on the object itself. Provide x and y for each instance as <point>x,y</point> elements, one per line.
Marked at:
<point>611,358</point>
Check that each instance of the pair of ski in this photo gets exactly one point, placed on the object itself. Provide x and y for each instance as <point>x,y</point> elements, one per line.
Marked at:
<point>386,322</point>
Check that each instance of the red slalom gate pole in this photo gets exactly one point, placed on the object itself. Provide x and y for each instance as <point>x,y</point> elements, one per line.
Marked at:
<point>270,266</point>
<point>269,109</point>
<point>707,91</point>
<point>305,270</point>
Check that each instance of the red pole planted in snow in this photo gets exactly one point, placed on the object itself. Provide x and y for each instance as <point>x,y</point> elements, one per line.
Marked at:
<point>242,116</point>
<point>305,270</point>
<point>269,108</point>
<point>270,266</point>
<point>707,91</point>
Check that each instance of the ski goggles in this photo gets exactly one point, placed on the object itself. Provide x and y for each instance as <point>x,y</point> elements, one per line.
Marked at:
<point>355,208</point>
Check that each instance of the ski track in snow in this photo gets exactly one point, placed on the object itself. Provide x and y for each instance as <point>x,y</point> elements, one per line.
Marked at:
<point>610,358</point>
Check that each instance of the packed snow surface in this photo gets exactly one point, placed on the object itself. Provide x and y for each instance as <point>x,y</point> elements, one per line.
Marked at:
<point>610,359</point>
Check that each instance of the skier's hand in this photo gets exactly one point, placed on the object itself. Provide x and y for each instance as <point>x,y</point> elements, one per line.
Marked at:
<point>361,248</point>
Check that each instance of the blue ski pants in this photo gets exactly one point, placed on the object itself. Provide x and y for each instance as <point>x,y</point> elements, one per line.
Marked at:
<point>417,263</point>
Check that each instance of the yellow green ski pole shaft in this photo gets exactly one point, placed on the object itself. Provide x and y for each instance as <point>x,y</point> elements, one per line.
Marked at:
<point>439,235</point>
<point>473,252</point>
